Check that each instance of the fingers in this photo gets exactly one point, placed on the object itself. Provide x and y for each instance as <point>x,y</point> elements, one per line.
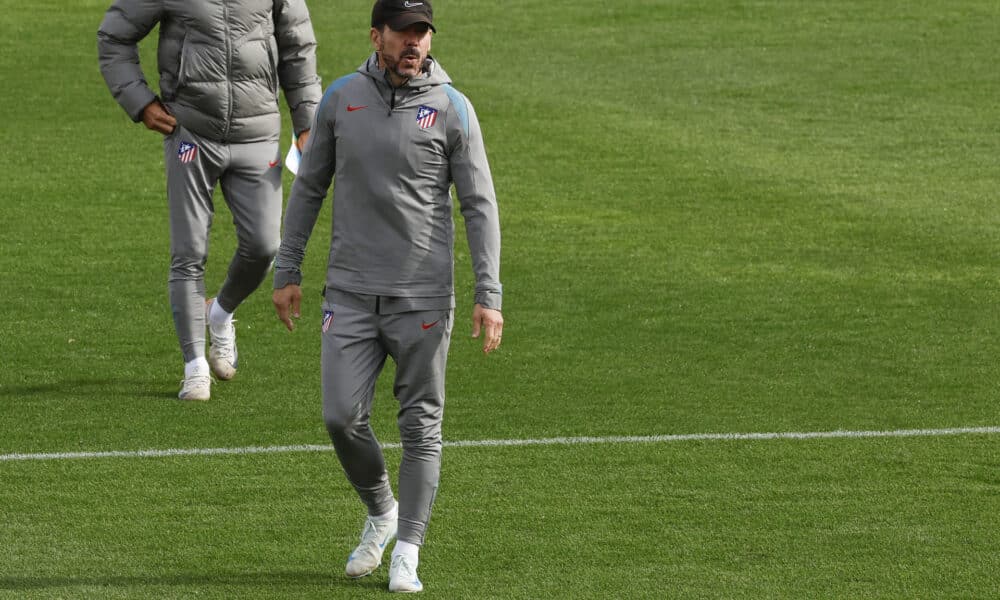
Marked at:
<point>300,142</point>
<point>169,125</point>
<point>167,120</point>
<point>164,126</point>
<point>286,302</point>
<point>494,332</point>
<point>489,322</point>
<point>159,126</point>
<point>295,306</point>
<point>283,316</point>
<point>156,118</point>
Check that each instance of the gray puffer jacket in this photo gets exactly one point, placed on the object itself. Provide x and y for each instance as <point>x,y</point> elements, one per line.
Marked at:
<point>220,62</point>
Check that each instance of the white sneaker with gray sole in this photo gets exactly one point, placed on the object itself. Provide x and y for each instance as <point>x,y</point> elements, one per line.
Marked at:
<point>403,575</point>
<point>222,355</point>
<point>368,555</point>
<point>196,387</point>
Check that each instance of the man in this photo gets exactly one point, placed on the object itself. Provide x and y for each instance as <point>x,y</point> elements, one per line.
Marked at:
<point>221,63</point>
<point>394,136</point>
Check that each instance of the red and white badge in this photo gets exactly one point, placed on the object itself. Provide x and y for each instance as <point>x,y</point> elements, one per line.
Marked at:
<point>426,116</point>
<point>186,152</point>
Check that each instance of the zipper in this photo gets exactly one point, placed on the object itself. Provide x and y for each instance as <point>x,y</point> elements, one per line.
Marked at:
<point>229,69</point>
<point>181,80</point>
<point>273,64</point>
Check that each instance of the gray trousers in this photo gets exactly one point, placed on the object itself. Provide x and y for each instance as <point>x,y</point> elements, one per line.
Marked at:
<point>250,178</point>
<point>359,332</point>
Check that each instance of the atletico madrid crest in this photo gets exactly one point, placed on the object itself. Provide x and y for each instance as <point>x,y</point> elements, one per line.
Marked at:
<point>426,116</point>
<point>186,152</point>
<point>327,320</point>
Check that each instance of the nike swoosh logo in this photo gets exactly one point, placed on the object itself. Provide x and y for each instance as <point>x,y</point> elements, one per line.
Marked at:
<point>272,163</point>
<point>426,326</point>
<point>412,4</point>
<point>354,108</point>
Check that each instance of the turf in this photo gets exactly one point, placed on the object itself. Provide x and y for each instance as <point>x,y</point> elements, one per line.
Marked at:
<point>717,216</point>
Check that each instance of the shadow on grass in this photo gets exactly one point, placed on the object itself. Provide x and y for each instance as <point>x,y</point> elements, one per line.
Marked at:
<point>92,389</point>
<point>235,580</point>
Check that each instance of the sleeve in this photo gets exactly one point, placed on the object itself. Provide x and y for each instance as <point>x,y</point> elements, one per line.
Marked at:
<point>470,172</point>
<point>296,41</point>
<point>124,25</point>
<point>308,193</point>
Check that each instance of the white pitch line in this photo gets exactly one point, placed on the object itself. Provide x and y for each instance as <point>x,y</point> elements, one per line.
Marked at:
<point>556,441</point>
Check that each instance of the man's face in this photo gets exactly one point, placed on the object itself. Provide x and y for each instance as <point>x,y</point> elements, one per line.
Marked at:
<point>403,52</point>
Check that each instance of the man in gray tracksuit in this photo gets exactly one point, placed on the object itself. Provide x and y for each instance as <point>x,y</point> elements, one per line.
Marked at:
<point>220,64</point>
<point>394,136</point>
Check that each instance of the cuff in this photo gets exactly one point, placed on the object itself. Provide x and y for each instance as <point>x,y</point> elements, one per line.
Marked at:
<point>302,118</point>
<point>135,100</point>
<point>493,300</point>
<point>284,278</point>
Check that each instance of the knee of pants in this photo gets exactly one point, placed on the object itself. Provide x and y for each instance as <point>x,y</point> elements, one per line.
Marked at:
<point>188,266</point>
<point>261,250</point>
<point>420,428</point>
<point>343,422</point>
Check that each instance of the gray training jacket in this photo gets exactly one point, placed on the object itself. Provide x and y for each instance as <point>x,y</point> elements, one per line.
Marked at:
<point>395,153</point>
<point>220,63</point>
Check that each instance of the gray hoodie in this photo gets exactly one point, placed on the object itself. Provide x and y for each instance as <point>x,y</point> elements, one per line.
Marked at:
<point>220,63</point>
<point>394,153</point>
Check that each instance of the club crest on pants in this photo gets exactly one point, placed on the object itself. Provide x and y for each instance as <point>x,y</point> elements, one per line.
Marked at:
<point>327,320</point>
<point>186,152</point>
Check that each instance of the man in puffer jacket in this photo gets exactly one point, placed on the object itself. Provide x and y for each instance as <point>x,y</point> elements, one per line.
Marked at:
<point>220,64</point>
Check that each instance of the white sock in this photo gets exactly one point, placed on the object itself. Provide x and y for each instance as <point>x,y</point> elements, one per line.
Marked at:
<point>218,315</point>
<point>198,366</point>
<point>410,551</point>
<point>391,515</point>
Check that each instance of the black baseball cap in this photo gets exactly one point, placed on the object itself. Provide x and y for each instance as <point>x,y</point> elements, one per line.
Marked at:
<point>400,14</point>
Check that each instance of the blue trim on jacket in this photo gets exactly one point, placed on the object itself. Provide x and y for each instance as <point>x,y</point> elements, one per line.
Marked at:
<point>336,85</point>
<point>459,102</point>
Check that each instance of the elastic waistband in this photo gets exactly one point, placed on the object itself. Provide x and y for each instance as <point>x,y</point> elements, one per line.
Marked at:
<point>387,305</point>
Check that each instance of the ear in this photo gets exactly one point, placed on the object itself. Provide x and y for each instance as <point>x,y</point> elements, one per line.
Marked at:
<point>376,37</point>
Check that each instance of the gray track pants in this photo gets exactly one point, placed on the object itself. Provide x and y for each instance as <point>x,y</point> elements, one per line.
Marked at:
<point>250,177</point>
<point>358,335</point>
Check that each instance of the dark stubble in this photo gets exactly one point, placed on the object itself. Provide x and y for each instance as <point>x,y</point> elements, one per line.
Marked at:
<point>392,62</point>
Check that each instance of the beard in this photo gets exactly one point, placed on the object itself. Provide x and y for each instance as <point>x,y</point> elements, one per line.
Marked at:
<point>393,62</point>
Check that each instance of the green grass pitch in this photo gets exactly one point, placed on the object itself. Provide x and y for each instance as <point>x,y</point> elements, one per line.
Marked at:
<point>718,217</point>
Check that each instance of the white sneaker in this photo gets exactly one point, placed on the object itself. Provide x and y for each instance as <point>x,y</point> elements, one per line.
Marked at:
<point>196,387</point>
<point>403,575</point>
<point>368,555</point>
<point>222,355</point>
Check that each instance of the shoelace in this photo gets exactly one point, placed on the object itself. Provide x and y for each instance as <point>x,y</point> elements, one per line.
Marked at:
<point>406,570</point>
<point>369,540</point>
<point>370,533</point>
<point>195,380</point>
<point>225,342</point>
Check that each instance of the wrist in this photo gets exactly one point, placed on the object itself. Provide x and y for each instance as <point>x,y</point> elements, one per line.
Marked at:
<point>284,278</point>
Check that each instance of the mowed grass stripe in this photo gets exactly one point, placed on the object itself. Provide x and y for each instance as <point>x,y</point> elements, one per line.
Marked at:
<point>556,441</point>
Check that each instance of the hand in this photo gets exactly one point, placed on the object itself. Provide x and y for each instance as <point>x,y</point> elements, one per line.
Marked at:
<point>286,303</point>
<point>300,141</point>
<point>156,117</point>
<point>492,321</point>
